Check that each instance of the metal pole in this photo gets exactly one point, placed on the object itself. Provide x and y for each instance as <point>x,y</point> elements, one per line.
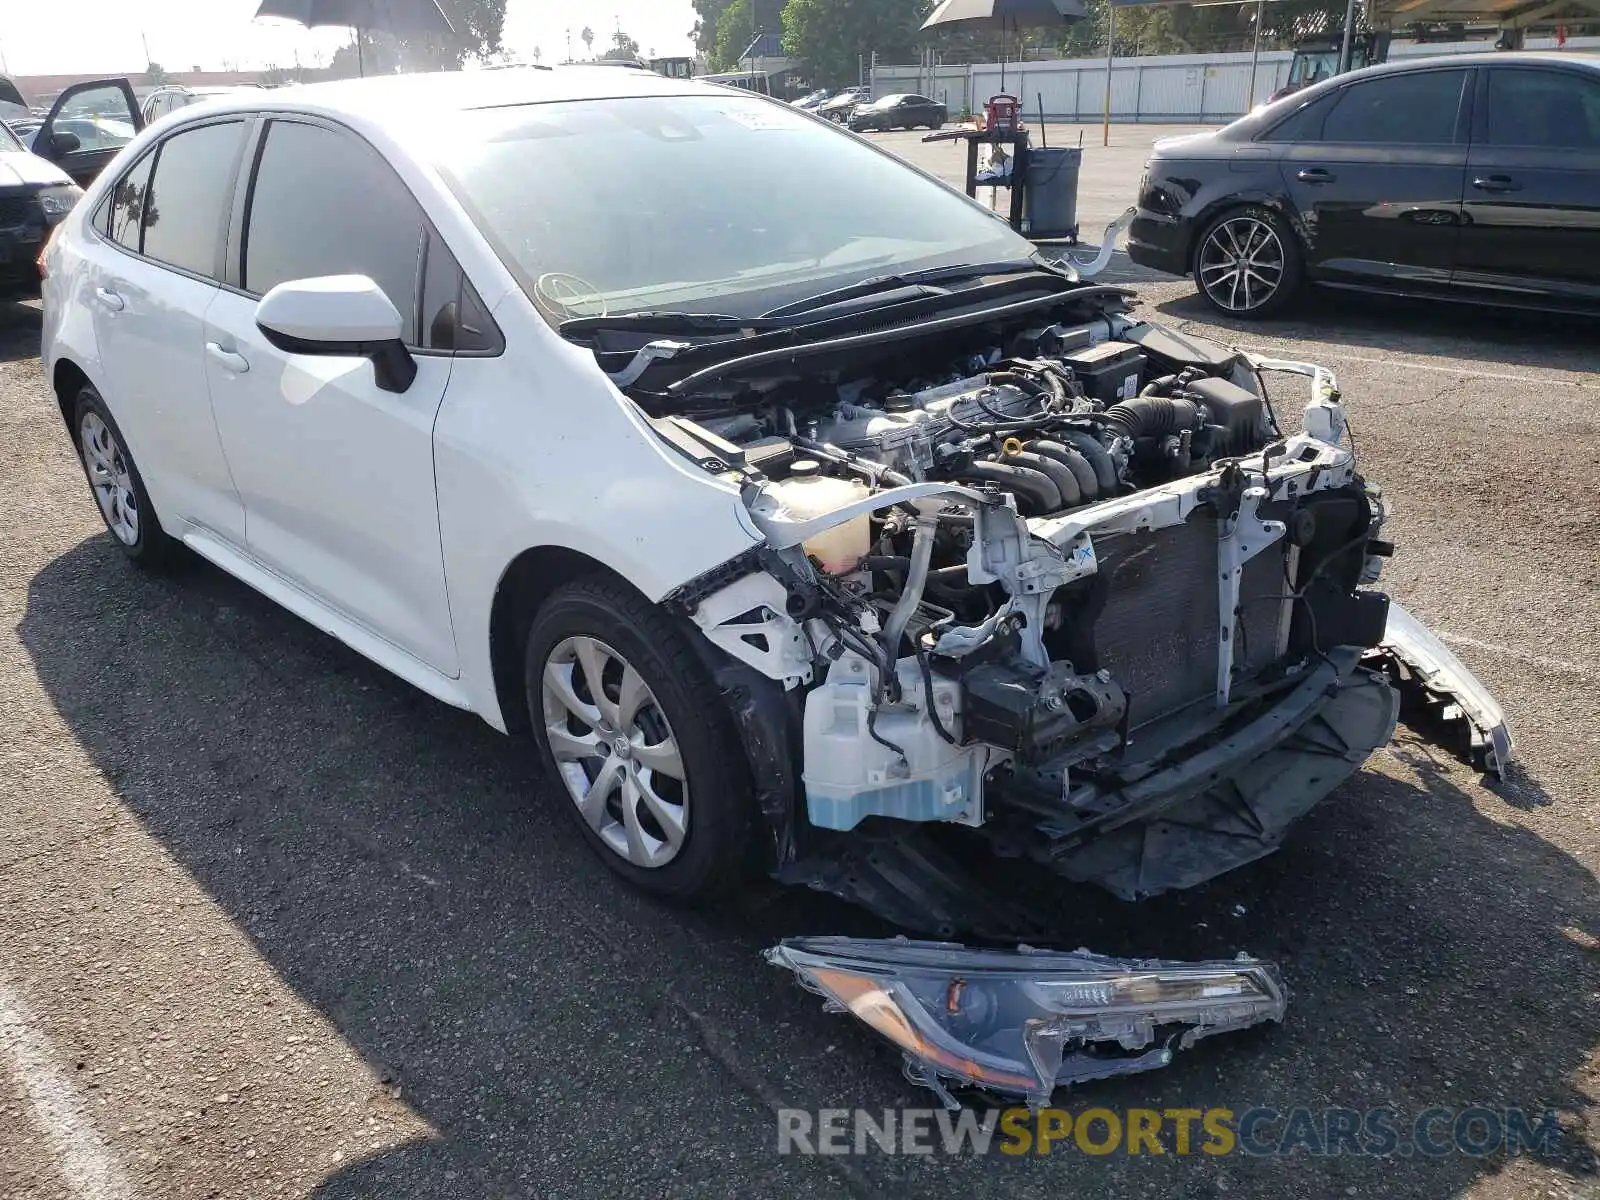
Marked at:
<point>1111,42</point>
<point>1255,56</point>
<point>1349,32</point>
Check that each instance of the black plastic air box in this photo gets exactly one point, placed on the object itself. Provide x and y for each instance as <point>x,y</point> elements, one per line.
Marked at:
<point>1108,372</point>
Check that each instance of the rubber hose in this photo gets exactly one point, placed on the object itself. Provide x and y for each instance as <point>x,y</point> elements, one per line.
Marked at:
<point>1082,473</point>
<point>1060,475</point>
<point>1094,450</point>
<point>1035,494</point>
<point>911,595</point>
<point>1159,387</point>
<point>1153,416</point>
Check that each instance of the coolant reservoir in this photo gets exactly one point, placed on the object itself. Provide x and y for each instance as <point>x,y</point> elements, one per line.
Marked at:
<point>808,493</point>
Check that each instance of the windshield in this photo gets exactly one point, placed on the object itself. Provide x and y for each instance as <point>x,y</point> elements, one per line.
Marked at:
<point>704,204</point>
<point>8,140</point>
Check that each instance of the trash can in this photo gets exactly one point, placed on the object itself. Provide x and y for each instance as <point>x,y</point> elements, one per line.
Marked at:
<point>1050,203</point>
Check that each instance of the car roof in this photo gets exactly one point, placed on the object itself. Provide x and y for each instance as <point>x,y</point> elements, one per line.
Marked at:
<point>1497,58</point>
<point>393,101</point>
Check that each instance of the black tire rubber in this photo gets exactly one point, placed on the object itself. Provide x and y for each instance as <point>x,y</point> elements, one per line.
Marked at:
<point>154,549</point>
<point>716,854</point>
<point>1293,263</point>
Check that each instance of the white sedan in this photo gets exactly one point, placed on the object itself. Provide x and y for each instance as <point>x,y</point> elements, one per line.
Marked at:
<point>782,493</point>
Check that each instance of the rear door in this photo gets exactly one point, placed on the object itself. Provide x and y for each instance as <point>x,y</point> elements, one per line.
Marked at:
<point>88,126</point>
<point>1378,188</point>
<point>1533,186</point>
<point>152,274</point>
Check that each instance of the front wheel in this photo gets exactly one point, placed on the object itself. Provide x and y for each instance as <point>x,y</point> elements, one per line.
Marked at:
<point>1247,263</point>
<point>631,728</point>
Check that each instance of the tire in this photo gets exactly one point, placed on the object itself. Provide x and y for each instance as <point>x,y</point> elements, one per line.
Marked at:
<point>690,836</point>
<point>1275,266</point>
<point>115,484</point>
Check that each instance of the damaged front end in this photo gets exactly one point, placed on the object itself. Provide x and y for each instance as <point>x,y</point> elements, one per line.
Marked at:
<point>1024,1023</point>
<point>1070,595</point>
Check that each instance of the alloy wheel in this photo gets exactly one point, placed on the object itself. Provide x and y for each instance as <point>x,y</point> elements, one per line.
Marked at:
<point>615,751</point>
<point>1242,264</point>
<point>110,478</point>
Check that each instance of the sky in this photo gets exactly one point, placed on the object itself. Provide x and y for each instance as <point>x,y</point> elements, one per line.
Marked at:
<point>51,37</point>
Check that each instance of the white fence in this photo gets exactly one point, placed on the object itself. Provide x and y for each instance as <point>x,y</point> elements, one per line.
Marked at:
<point>1173,88</point>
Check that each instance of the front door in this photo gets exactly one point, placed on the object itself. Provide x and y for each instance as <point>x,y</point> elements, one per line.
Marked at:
<point>1533,187</point>
<point>88,126</point>
<point>1377,190</point>
<point>336,474</point>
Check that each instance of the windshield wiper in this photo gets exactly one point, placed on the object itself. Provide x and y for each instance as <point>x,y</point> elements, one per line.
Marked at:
<point>784,316</point>
<point>886,283</point>
<point>666,322</point>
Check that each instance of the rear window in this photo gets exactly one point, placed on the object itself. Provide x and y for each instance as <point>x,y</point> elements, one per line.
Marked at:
<point>1552,109</point>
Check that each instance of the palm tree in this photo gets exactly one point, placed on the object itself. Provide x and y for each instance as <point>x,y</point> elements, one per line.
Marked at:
<point>588,40</point>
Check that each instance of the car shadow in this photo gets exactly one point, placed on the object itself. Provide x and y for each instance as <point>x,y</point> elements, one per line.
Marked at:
<point>1510,337</point>
<point>20,326</point>
<point>563,1034</point>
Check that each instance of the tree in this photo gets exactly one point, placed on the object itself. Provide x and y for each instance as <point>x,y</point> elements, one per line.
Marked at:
<point>831,35</point>
<point>708,14</point>
<point>588,40</point>
<point>155,75</point>
<point>736,29</point>
<point>622,46</point>
<point>478,27</point>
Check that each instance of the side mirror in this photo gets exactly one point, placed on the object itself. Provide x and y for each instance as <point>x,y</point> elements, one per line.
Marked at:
<point>63,143</point>
<point>339,316</point>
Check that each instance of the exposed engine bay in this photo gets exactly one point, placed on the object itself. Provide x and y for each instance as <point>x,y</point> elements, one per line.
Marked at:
<point>1070,592</point>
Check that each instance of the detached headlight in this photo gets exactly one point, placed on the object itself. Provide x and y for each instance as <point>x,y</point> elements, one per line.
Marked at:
<point>1026,1022</point>
<point>57,202</point>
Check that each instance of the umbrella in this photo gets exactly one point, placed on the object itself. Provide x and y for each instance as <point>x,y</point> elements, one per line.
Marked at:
<point>404,18</point>
<point>1003,15</point>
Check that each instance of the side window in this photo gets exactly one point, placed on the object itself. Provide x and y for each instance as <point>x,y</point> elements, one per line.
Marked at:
<point>325,203</point>
<point>1544,109</point>
<point>453,318</point>
<point>1416,109</point>
<point>186,210</point>
<point>99,117</point>
<point>126,226</point>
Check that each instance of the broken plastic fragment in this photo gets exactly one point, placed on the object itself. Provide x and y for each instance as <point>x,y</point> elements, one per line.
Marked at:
<point>1417,662</point>
<point>1024,1022</point>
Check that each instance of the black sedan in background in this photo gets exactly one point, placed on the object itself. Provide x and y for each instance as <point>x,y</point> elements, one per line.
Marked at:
<point>1470,177</point>
<point>900,112</point>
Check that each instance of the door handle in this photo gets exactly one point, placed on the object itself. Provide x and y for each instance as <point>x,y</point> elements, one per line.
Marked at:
<point>1496,183</point>
<point>110,299</point>
<point>237,363</point>
<point>1315,175</point>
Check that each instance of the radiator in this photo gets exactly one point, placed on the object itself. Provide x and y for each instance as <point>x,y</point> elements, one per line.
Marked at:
<point>1157,633</point>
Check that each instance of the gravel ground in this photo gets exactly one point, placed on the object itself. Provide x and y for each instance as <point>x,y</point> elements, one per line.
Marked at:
<point>276,924</point>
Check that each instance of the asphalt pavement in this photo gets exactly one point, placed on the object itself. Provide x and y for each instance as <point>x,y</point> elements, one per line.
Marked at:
<point>272,923</point>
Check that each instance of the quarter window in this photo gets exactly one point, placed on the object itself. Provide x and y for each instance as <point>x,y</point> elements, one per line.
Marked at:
<point>1416,109</point>
<point>1552,109</point>
<point>126,226</point>
<point>325,203</point>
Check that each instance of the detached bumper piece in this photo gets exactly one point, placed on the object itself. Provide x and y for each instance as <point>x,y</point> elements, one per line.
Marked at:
<point>1025,1022</point>
<point>1437,690</point>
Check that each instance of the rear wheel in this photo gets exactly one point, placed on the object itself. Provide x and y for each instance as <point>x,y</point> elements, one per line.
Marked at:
<point>116,484</point>
<point>1247,263</point>
<point>631,728</point>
